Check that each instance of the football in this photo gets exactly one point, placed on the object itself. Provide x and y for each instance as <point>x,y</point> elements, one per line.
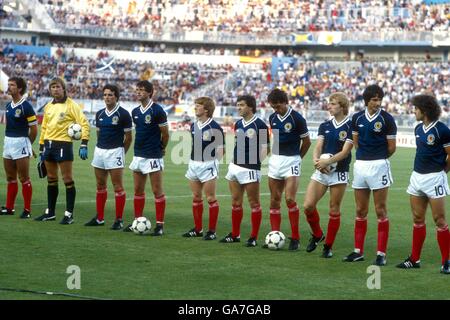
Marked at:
<point>331,167</point>
<point>141,226</point>
<point>275,240</point>
<point>74,131</point>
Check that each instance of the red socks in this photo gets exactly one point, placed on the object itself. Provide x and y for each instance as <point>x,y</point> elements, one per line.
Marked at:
<point>314,222</point>
<point>443,238</point>
<point>236,219</point>
<point>139,203</point>
<point>160,208</point>
<point>334,223</point>
<point>294,215</point>
<point>383,235</point>
<point>197,212</point>
<point>120,197</point>
<point>275,219</point>
<point>256,221</point>
<point>27,191</point>
<point>419,235</point>
<point>213,215</point>
<point>360,233</point>
<point>100,200</point>
<point>11,193</point>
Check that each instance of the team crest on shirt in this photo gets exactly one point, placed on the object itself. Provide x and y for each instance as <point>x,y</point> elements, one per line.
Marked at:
<point>377,126</point>
<point>206,136</point>
<point>18,112</point>
<point>115,120</point>
<point>288,127</point>
<point>342,135</point>
<point>61,116</point>
<point>250,133</point>
<point>148,119</point>
<point>430,139</point>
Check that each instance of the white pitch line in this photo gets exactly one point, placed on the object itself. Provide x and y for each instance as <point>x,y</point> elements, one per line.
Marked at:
<point>264,194</point>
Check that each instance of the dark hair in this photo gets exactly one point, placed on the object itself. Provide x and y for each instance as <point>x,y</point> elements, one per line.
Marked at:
<point>114,89</point>
<point>372,91</point>
<point>21,84</point>
<point>249,100</point>
<point>277,96</point>
<point>147,85</point>
<point>428,105</point>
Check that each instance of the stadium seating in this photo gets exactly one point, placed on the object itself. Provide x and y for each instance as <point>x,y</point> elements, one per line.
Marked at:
<point>260,17</point>
<point>308,82</point>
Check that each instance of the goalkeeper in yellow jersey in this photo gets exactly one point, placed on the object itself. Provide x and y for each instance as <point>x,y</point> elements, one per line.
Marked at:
<point>56,147</point>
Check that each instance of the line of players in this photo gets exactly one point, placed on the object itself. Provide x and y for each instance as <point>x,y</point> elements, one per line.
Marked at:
<point>372,131</point>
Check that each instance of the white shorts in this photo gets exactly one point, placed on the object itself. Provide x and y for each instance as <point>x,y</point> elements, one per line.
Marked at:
<point>282,167</point>
<point>108,159</point>
<point>431,185</point>
<point>202,171</point>
<point>242,175</point>
<point>17,148</point>
<point>330,179</point>
<point>373,174</point>
<point>146,165</point>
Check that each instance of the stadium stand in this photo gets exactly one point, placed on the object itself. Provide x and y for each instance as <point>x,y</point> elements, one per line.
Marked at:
<point>255,17</point>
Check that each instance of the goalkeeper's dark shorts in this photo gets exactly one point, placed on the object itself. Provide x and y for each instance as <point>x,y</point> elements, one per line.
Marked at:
<point>58,151</point>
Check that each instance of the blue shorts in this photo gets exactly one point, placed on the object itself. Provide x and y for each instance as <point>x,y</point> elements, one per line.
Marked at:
<point>58,151</point>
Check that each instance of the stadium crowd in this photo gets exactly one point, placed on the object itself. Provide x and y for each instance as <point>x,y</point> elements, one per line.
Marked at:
<point>173,82</point>
<point>256,17</point>
<point>308,82</point>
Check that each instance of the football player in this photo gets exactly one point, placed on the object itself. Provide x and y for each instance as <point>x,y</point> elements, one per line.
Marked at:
<point>151,139</point>
<point>208,142</point>
<point>334,137</point>
<point>21,131</point>
<point>374,136</point>
<point>428,183</point>
<point>56,147</point>
<point>114,138</point>
<point>291,142</point>
<point>251,146</point>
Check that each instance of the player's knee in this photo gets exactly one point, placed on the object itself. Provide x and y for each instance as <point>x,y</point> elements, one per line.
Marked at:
<point>68,179</point>
<point>308,206</point>
<point>236,202</point>
<point>24,179</point>
<point>158,193</point>
<point>253,203</point>
<point>211,198</point>
<point>418,220</point>
<point>10,178</point>
<point>440,222</point>
<point>362,211</point>
<point>102,186</point>
<point>52,180</point>
<point>335,207</point>
<point>117,187</point>
<point>275,197</point>
<point>381,211</point>
<point>69,184</point>
<point>290,201</point>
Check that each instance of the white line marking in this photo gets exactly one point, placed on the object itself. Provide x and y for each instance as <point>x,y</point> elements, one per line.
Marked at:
<point>263,194</point>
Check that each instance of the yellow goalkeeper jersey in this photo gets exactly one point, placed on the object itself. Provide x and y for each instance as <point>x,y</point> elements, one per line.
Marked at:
<point>57,119</point>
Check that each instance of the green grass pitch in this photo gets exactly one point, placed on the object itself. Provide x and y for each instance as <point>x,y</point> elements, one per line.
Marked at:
<point>118,265</point>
